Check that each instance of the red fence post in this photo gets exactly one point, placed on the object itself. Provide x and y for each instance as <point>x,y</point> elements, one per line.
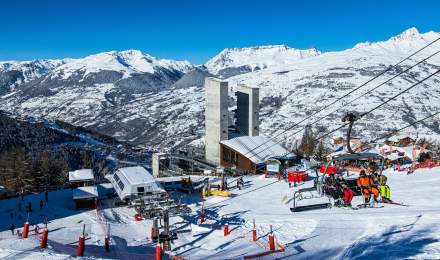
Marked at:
<point>271,242</point>
<point>25,230</point>
<point>158,252</point>
<point>226,230</point>
<point>107,243</point>
<point>81,245</point>
<point>43,243</point>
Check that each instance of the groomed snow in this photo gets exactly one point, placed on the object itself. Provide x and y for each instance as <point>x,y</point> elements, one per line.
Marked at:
<point>391,232</point>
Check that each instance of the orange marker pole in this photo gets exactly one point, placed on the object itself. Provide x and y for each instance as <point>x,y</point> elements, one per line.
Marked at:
<point>254,232</point>
<point>25,230</point>
<point>158,252</point>
<point>43,243</point>
<point>81,245</point>
<point>107,244</point>
<point>226,230</point>
<point>271,242</point>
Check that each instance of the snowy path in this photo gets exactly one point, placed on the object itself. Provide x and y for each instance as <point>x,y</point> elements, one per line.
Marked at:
<point>392,232</point>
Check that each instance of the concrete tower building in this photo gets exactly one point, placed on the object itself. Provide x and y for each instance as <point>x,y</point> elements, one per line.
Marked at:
<point>216,118</point>
<point>248,103</point>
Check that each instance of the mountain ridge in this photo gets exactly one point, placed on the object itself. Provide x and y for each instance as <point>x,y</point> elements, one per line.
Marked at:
<point>159,103</point>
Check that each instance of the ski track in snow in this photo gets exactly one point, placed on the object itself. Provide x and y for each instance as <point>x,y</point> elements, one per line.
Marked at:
<point>391,232</point>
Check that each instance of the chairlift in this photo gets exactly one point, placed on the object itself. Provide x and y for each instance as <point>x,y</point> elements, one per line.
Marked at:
<point>341,165</point>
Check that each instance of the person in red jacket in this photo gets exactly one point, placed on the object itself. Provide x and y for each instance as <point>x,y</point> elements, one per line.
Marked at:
<point>348,193</point>
<point>368,187</point>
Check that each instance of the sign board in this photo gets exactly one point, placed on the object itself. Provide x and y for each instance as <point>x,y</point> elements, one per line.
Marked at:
<point>273,167</point>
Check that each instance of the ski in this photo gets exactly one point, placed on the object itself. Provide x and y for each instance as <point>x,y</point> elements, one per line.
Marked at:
<point>367,205</point>
<point>395,203</point>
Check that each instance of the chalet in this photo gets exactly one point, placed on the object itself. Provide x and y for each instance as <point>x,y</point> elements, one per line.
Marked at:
<point>81,178</point>
<point>134,182</point>
<point>85,197</point>
<point>250,153</point>
<point>84,191</point>
<point>400,141</point>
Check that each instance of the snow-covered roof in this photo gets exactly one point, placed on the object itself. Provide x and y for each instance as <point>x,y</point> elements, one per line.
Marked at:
<point>81,175</point>
<point>85,192</point>
<point>136,175</point>
<point>257,148</point>
<point>194,178</point>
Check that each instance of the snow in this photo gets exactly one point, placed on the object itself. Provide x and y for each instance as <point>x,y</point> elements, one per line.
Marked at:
<point>257,148</point>
<point>291,88</point>
<point>391,232</point>
<point>85,192</point>
<point>127,62</point>
<point>136,175</point>
<point>259,57</point>
<point>81,175</point>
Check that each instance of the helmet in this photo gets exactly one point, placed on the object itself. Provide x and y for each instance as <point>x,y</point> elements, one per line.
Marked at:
<point>362,173</point>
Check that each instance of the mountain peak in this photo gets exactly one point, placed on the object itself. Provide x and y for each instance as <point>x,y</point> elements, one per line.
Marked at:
<point>257,57</point>
<point>408,34</point>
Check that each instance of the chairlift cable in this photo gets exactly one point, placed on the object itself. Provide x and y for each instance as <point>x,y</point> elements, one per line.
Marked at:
<point>348,93</point>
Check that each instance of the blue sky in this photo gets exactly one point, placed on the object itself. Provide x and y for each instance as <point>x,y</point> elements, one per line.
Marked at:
<point>197,30</point>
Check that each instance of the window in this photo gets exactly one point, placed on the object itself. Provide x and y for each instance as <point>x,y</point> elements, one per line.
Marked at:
<point>226,154</point>
<point>121,185</point>
<point>234,157</point>
<point>116,178</point>
<point>141,190</point>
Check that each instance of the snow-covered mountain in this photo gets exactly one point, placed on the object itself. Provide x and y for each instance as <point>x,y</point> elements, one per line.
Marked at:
<point>13,73</point>
<point>138,98</point>
<point>235,61</point>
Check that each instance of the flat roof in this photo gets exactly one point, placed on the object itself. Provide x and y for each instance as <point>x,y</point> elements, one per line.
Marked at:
<point>358,156</point>
<point>137,175</point>
<point>85,192</point>
<point>194,178</point>
<point>257,148</point>
<point>81,175</point>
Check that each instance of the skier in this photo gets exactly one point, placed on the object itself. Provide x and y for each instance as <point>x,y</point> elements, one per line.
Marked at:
<point>12,228</point>
<point>46,196</point>
<point>384,189</point>
<point>331,188</point>
<point>41,204</point>
<point>37,229</point>
<point>348,193</point>
<point>367,186</point>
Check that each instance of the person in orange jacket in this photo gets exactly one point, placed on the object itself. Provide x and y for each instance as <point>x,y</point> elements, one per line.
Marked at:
<point>368,187</point>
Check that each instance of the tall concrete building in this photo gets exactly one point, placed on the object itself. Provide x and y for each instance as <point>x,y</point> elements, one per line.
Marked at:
<point>248,102</point>
<point>216,118</point>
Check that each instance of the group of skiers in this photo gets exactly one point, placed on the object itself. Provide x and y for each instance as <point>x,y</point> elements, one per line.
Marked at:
<point>28,209</point>
<point>371,185</point>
